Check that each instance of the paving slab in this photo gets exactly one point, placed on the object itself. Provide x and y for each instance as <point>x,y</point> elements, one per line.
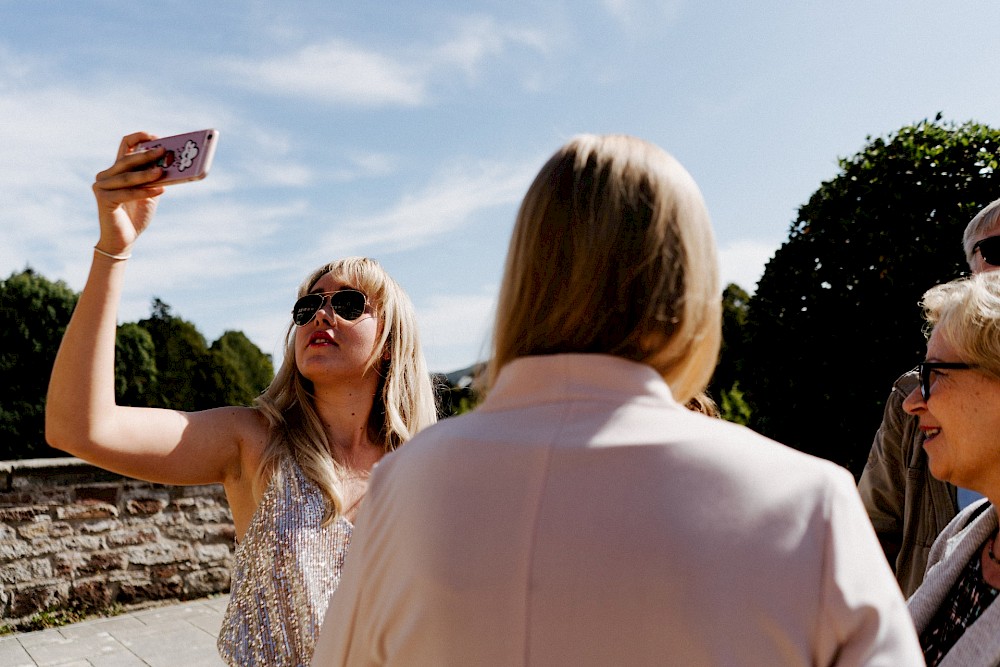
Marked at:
<point>182,633</point>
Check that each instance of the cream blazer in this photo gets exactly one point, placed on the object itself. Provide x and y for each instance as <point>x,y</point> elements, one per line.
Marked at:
<point>581,516</point>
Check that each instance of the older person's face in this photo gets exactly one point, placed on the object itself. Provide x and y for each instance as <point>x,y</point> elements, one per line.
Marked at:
<point>960,422</point>
<point>978,264</point>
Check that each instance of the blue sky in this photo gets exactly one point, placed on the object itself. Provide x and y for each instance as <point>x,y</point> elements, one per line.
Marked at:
<point>408,131</point>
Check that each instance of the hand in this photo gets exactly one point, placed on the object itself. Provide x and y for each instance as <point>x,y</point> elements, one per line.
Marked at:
<point>126,201</point>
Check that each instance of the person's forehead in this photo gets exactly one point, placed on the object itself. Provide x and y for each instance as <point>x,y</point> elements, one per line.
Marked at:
<point>938,347</point>
<point>331,282</point>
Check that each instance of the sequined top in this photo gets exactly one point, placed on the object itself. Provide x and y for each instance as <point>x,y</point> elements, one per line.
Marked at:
<point>285,569</point>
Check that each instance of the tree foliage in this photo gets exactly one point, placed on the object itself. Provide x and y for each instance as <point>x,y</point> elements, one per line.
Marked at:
<point>724,387</point>
<point>162,361</point>
<point>241,371</point>
<point>33,316</point>
<point>136,377</point>
<point>835,318</point>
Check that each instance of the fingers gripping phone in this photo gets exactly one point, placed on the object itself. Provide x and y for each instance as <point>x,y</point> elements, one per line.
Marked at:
<point>188,156</point>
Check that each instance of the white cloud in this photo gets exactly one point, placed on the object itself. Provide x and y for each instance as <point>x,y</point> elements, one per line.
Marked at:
<point>643,13</point>
<point>340,72</point>
<point>444,205</point>
<point>742,262</point>
<point>479,38</point>
<point>336,72</point>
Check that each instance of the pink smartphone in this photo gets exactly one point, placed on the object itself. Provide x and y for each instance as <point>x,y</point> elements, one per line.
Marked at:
<point>188,157</point>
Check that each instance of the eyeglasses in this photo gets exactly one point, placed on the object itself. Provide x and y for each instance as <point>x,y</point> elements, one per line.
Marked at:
<point>989,248</point>
<point>925,369</point>
<point>349,304</point>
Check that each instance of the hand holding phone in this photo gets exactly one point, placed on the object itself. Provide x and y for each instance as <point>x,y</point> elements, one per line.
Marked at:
<point>188,157</point>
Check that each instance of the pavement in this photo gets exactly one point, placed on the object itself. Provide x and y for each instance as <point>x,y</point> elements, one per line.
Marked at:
<point>176,634</point>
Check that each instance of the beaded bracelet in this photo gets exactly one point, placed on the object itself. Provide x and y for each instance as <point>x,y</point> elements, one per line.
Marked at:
<point>108,254</point>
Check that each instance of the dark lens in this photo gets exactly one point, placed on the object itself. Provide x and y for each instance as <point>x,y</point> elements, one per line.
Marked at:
<point>990,250</point>
<point>305,308</point>
<point>925,382</point>
<point>349,304</point>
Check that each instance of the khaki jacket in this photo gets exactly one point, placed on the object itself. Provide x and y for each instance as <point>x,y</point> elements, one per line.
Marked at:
<point>907,505</point>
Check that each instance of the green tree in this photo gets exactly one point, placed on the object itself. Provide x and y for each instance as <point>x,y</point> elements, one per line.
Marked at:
<point>135,366</point>
<point>192,376</point>
<point>724,387</point>
<point>34,312</point>
<point>160,362</point>
<point>242,371</point>
<point>835,318</point>
<point>183,363</point>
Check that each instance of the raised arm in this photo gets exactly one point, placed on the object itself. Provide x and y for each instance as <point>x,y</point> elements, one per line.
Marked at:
<point>82,417</point>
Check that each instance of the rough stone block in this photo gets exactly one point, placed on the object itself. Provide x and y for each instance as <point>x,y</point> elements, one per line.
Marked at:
<point>155,590</point>
<point>26,570</point>
<point>40,526</point>
<point>144,506</point>
<point>225,532</point>
<point>207,581</point>
<point>95,527</point>
<point>105,493</point>
<point>24,513</point>
<point>66,564</point>
<point>133,537</point>
<point>185,532</point>
<point>12,550</point>
<point>82,543</point>
<point>158,554</point>
<point>87,509</point>
<point>104,561</point>
<point>212,553</point>
<point>96,593</point>
<point>37,598</point>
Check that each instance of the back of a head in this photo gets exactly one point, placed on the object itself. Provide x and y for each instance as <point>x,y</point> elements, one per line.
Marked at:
<point>986,219</point>
<point>613,253</point>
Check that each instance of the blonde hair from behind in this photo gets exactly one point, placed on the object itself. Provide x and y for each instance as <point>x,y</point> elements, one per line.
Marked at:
<point>966,312</point>
<point>613,253</point>
<point>403,404</point>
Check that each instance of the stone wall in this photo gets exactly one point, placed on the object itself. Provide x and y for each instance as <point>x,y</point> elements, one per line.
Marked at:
<point>73,536</point>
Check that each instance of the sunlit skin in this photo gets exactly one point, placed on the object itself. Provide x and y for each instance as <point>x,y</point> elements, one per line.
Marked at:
<point>221,445</point>
<point>329,346</point>
<point>333,353</point>
<point>960,422</point>
<point>961,425</point>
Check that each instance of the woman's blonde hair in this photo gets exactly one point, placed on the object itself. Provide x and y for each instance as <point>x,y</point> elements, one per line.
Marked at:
<point>403,404</point>
<point>966,312</point>
<point>613,253</point>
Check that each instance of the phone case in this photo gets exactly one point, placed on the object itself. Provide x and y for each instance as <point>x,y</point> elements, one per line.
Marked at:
<point>188,157</point>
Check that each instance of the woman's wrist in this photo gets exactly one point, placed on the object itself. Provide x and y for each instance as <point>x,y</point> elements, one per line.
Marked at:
<point>121,256</point>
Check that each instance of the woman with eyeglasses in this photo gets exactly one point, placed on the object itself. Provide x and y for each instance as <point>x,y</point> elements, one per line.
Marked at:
<point>581,515</point>
<point>353,386</point>
<point>958,405</point>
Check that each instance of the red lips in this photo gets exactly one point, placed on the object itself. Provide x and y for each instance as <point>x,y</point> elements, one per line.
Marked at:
<point>321,338</point>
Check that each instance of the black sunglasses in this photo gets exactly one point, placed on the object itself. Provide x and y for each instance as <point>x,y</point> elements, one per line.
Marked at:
<point>989,248</point>
<point>925,369</point>
<point>349,304</point>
